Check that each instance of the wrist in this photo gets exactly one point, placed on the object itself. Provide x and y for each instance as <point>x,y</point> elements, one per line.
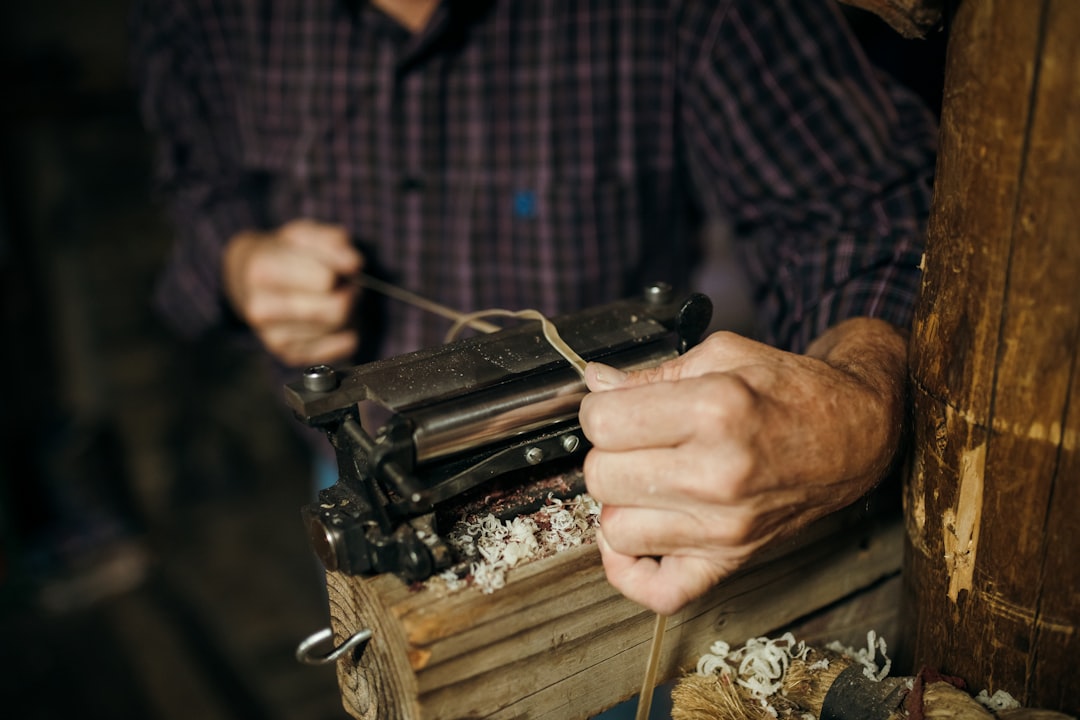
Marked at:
<point>873,354</point>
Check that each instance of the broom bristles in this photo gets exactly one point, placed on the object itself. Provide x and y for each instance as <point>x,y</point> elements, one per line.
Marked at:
<point>808,687</point>
<point>713,697</point>
<point>717,697</point>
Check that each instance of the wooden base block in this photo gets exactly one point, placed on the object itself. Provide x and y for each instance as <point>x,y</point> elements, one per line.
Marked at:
<point>558,642</point>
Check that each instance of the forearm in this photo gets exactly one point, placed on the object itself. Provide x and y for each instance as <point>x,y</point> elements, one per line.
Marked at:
<point>874,354</point>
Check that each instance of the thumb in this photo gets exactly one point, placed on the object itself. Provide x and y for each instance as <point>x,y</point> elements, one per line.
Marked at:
<point>664,585</point>
<point>600,377</point>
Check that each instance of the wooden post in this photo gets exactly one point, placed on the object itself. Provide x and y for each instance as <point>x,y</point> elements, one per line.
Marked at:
<point>992,567</point>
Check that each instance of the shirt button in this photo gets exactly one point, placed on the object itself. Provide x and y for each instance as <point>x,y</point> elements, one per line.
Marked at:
<point>411,183</point>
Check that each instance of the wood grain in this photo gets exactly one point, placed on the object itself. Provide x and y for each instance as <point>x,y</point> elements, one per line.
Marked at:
<point>993,569</point>
<point>559,642</point>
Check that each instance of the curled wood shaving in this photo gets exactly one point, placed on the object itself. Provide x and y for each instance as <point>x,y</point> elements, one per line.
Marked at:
<point>493,546</point>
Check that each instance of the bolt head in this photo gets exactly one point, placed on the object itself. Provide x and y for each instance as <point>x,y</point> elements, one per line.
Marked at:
<point>658,293</point>
<point>534,456</point>
<point>320,378</point>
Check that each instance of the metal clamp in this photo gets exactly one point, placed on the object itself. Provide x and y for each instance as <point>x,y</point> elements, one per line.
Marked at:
<point>354,646</point>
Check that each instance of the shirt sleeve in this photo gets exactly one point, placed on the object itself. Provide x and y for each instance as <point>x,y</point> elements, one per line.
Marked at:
<point>186,89</point>
<point>823,168</point>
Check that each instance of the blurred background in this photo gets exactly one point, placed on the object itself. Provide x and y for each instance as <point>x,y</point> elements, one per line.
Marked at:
<point>152,562</point>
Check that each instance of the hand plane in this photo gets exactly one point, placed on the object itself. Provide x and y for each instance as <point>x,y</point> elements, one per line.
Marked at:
<point>461,415</point>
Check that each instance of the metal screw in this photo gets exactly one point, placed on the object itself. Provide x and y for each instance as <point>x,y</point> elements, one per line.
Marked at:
<point>534,456</point>
<point>658,293</point>
<point>320,378</point>
<point>570,443</point>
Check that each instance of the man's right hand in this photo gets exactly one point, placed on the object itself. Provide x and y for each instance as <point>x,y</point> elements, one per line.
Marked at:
<point>291,286</point>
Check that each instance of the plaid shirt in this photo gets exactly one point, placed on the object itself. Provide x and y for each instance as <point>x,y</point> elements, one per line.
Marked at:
<point>551,154</point>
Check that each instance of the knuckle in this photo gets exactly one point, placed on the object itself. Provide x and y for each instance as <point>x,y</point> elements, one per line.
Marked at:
<point>741,469</point>
<point>615,529</point>
<point>717,340</point>
<point>721,343</point>
<point>735,531</point>
<point>592,467</point>
<point>727,404</point>
<point>600,417</point>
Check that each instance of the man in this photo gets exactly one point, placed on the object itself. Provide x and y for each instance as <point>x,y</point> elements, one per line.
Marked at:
<point>557,154</point>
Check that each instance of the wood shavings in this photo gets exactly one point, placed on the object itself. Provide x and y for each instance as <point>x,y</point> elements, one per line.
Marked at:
<point>1000,700</point>
<point>492,546</point>
<point>866,656</point>
<point>787,680</point>
<point>759,665</point>
<point>775,678</point>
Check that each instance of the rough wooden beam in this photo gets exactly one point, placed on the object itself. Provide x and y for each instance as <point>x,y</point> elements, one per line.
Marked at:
<point>993,568</point>
<point>559,642</point>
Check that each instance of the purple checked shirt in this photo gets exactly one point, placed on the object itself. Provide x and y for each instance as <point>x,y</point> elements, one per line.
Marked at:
<point>551,154</point>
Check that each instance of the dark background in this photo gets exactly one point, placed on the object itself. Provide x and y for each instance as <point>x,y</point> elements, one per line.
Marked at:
<point>152,562</point>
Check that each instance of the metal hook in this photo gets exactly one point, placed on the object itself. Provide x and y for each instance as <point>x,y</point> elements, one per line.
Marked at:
<point>305,651</point>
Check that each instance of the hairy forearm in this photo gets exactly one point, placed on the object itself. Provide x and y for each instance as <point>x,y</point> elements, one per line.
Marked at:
<point>874,353</point>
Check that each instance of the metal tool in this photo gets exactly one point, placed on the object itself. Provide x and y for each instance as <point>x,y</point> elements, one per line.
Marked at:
<point>460,415</point>
<point>854,696</point>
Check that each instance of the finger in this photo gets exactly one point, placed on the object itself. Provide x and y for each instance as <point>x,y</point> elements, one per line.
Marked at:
<point>666,414</point>
<point>280,267</point>
<point>301,350</point>
<point>671,478</point>
<point>720,352</point>
<point>633,418</point>
<point>330,245</point>
<point>282,335</point>
<point>600,377</point>
<point>652,532</point>
<point>664,586</point>
<point>330,349</point>
<point>321,311</point>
